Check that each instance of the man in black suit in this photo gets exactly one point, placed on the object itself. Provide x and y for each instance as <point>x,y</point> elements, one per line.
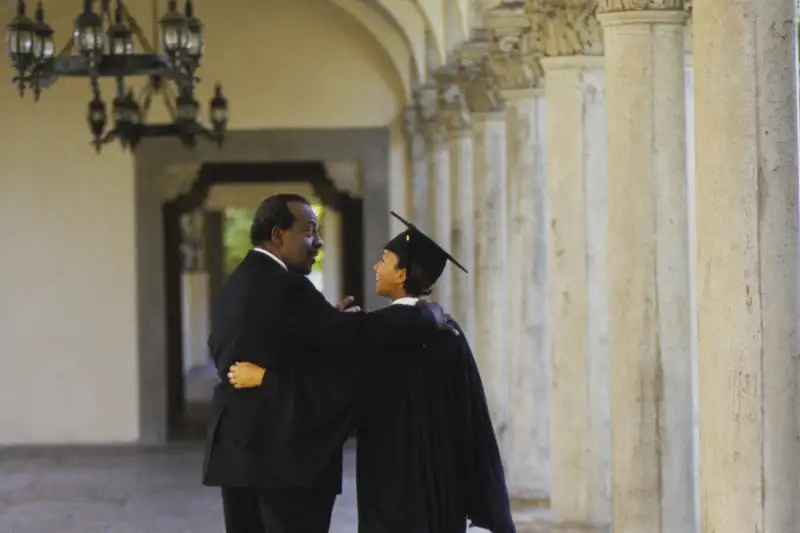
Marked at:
<point>276,450</point>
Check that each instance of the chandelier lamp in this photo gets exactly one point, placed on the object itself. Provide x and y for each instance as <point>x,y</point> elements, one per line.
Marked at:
<point>103,45</point>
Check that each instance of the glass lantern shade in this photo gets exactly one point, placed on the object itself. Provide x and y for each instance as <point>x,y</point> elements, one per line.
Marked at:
<point>218,109</point>
<point>97,116</point>
<point>43,46</point>
<point>196,44</point>
<point>89,34</point>
<point>188,108</point>
<point>20,37</point>
<point>132,109</point>
<point>120,113</point>
<point>120,40</point>
<point>174,30</point>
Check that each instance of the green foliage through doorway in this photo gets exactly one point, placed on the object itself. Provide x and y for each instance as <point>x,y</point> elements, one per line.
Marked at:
<point>237,236</point>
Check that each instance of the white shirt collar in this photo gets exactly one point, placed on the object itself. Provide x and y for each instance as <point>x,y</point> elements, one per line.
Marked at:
<point>273,256</point>
<point>407,300</point>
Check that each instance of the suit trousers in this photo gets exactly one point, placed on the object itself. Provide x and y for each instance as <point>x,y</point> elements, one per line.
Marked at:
<point>249,510</point>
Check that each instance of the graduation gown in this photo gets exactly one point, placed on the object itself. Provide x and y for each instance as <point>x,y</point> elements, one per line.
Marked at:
<point>427,457</point>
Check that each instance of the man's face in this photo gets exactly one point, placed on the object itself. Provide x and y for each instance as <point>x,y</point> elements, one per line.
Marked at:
<point>389,279</point>
<point>300,244</point>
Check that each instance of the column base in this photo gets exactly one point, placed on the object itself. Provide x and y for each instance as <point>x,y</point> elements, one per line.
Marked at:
<point>578,527</point>
<point>530,509</point>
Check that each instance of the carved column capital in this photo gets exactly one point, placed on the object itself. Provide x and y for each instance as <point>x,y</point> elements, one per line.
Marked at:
<point>616,6</point>
<point>411,121</point>
<point>193,241</point>
<point>565,28</point>
<point>480,86</point>
<point>430,120</point>
<point>512,50</point>
<point>452,103</point>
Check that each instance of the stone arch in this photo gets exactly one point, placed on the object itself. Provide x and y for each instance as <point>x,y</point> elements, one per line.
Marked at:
<point>389,33</point>
<point>456,26</point>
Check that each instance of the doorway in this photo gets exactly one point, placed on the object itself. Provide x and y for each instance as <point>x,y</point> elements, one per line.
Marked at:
<point>203,246</point>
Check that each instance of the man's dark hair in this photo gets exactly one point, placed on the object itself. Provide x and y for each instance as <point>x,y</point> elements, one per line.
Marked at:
<point>418,282</point>
<point>273,213</point>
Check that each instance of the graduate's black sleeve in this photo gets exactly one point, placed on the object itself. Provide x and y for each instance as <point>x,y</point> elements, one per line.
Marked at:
<point>310,321</point>
<point>487,496</point>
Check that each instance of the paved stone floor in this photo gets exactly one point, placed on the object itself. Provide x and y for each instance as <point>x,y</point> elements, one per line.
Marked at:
<point>128,490</point>
<point>121,490</point>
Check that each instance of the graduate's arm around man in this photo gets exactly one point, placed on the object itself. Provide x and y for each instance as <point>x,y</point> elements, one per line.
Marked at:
<point>317,330</point>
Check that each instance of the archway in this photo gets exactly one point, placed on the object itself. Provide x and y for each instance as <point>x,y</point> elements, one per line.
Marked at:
<point>186,421</point>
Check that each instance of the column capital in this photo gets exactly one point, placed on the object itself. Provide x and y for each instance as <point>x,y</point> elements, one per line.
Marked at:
<point>653,6</point>
<point>429,118</point>
<point>480,86</point>
<point>193,243</point>
<point>512,49</point>
<point>450,82</point>
<point>565,28</point>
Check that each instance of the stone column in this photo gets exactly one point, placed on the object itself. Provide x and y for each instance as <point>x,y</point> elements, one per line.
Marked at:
<point>438,156</point>
<point>332,259</point>
<point>519,77</point>
<point>420,191</point>
<point>577,305</point>
<point>491,214</point>
<point>195,288</point>
<point>648,268</point>
<point>747,242</point>
<point>462,240</point>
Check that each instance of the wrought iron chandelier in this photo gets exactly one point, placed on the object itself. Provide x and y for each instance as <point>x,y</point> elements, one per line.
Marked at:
<point>105,42</point>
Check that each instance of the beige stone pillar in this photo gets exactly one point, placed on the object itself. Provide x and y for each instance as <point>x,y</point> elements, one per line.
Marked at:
<point>420,190</point>
<point>519,77</point>
<point>491,214</point>
<point>576,273</point>
<point>195,290</point>
<point>746,142</point>
<point>438,157</point>
<point>462,203</point>
<point>648,268</point>
<point>332,260</point>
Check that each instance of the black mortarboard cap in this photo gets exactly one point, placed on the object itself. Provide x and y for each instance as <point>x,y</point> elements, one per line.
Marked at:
<point>413,246</point>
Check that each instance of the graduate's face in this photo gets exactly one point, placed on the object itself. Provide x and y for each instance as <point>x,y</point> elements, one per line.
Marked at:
<point>299,244</point>
<point>389,279</point>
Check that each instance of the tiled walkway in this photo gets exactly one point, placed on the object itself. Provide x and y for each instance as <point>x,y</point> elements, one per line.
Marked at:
<point>120,491</point>
<point>126,490</point>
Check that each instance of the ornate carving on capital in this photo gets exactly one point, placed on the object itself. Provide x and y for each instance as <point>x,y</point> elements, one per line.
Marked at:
<point>480,87</point>
<point>615,6</point>
<point>431,121</point>
<point>565,28</point>
<point>193,249</point>
<point>411,121</point>
<point>451,98</point>
<point>512,47</point>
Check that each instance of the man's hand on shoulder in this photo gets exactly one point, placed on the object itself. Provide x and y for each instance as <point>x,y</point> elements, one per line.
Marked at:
<point>443,320</point>
<point>243,375</point>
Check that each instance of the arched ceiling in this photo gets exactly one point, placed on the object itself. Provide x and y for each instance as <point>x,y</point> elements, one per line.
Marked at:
<point>399,26</point>
<point>388,33</point>
<point>430,28</point>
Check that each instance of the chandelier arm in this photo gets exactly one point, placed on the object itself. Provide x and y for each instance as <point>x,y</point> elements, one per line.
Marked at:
<point>165,92</point>
<point>67,50</point>
<point>95,86</point>
<point>137,31</point>
<point>147,100</point>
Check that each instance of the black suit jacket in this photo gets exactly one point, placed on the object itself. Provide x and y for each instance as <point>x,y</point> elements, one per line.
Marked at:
<point>290,431</point>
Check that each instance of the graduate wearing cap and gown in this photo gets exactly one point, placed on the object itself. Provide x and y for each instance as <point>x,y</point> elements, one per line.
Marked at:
<point>427,456</point>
